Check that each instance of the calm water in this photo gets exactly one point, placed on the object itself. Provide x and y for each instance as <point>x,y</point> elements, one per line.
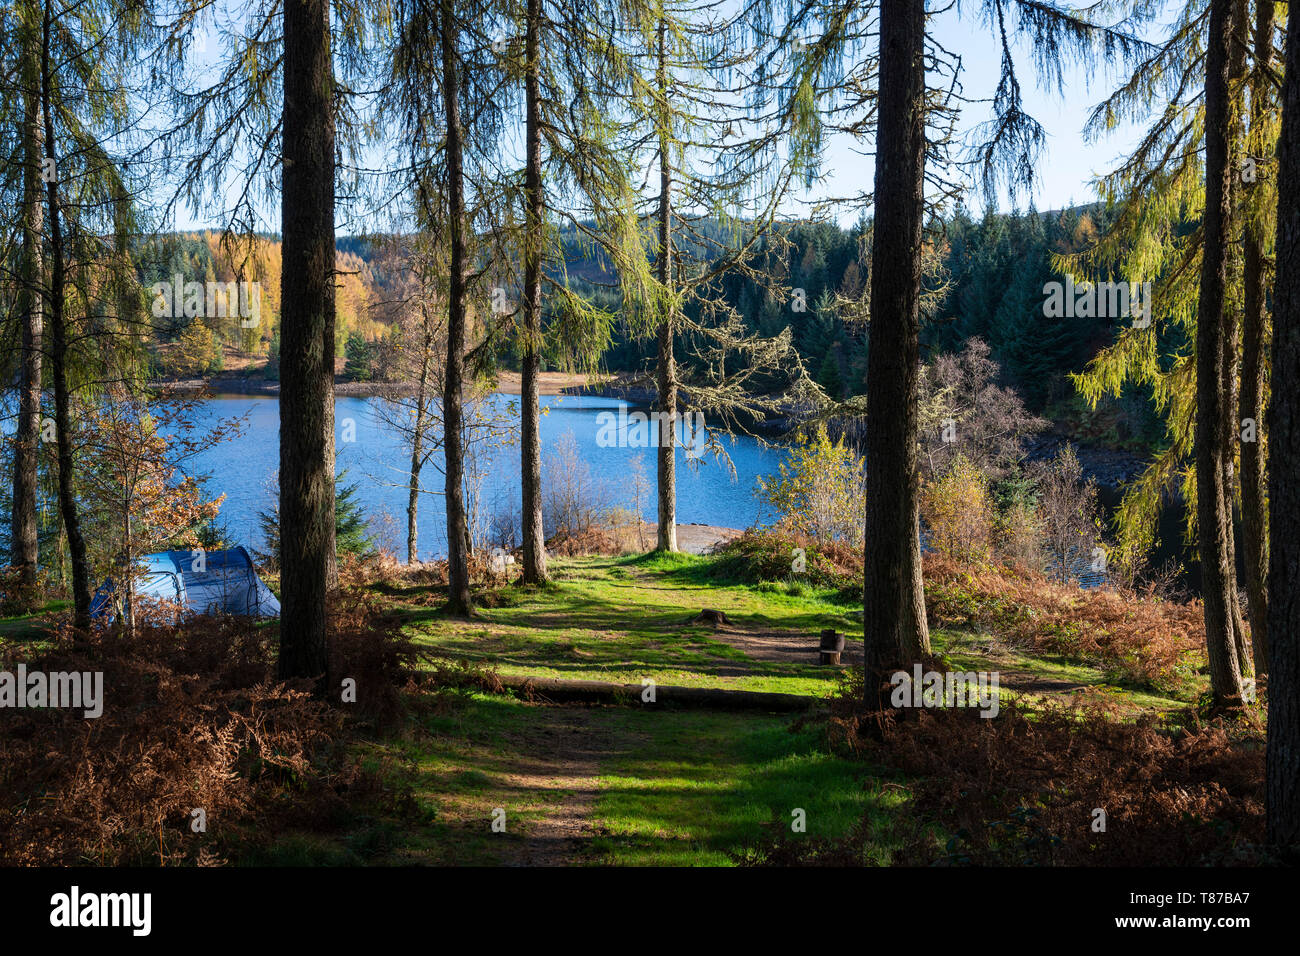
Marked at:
<point>377,462</point>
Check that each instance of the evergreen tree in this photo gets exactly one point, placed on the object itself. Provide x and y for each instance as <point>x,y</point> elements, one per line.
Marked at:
<point>24,547</point>
<point>689,125</point>
<point>829,377</point>
<point>571,69</point>
<point>353,538</point>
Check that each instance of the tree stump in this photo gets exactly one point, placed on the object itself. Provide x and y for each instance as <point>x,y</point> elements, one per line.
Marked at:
<point>832,640</point>
<point>829,657</point>
<point>710,616</point>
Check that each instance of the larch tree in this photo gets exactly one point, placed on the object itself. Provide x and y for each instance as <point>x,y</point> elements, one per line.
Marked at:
<point>1163,193</point>
<point>30,305</point>
<point>665,364</point>
<point>446,89</point>
<point>1282,796</point>
<point>571,70</point>
<point>1214,517</point>
<point>726,155</point>
<point>530,444</point>
<point>59,347</point>
<point>85,53</point>
<point>452,67</point>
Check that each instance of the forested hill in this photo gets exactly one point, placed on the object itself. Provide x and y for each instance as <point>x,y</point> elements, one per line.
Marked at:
<point>985,280</point>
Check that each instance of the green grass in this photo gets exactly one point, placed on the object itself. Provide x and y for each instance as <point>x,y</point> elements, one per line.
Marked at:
<point>625,619</point>
<point>707,784</point>
<point>673,787</point>
<point>965,650</point>
<point>31,629</point>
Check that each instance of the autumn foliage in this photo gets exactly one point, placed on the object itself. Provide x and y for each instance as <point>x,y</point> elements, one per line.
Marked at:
<point>1139,639</point>
<point>193,719</point>
<point>1025,788</point>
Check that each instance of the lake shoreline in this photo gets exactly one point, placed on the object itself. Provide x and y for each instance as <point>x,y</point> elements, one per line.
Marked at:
<point>508,383</point>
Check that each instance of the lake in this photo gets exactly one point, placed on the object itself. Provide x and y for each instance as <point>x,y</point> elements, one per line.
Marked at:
<point>378,464</point>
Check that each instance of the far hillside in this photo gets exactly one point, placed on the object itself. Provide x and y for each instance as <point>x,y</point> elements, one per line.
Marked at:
<point>985,280</point>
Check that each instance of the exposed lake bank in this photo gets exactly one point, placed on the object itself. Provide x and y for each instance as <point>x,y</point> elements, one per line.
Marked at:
<point>508,383</point>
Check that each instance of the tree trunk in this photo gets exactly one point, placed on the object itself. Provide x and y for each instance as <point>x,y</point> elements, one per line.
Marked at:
<point>1231,421</point>
<point>666,370</point>
<point>327,413</point>
<point>59,358</point>
<point>1283,761</point>
<point>1254,497</point>
<point>307,297</point>
<point>413,501</point>
<point>459,600</point>
<point>1214,517</point>
<point>417,445</point>
<point>128,570</point>
<point>894,623</point>
<point>327,362</point>
<point>23,531</point>
<point>530,444</point>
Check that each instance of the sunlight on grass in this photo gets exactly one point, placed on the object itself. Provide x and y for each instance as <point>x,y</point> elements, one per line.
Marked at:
<point>705,784</point>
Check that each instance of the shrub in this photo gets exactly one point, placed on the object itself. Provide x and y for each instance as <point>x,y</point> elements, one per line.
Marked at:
<point>1019,537</point>
<point>573,502</point>
<point>819,491</point>
<point>1068,512</point>
<point>761,555</point>
<point>958,513</point>
<point>352,536</point>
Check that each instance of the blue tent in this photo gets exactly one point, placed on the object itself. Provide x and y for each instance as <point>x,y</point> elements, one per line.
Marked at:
<point>202,582</point>
<point>1079,567</point>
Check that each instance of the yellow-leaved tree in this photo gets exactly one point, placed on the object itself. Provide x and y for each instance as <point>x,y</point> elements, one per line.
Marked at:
<point>818,492</point>
<point>958,513</point>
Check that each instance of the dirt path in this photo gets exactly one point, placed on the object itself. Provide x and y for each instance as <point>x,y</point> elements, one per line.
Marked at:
<point>565,750</point>
<point>781,646</point>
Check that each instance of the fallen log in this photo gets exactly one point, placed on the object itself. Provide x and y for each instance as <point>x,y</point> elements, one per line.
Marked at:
<point>599,691</point>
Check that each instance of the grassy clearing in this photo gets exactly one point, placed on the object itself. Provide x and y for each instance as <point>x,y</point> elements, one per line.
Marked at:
<point>605,785</point>
<point>1028,677</point>
<point>624,619</point>
<point>670,787</point>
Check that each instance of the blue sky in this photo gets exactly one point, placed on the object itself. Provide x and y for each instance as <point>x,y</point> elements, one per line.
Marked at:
<point>1068,162</point>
